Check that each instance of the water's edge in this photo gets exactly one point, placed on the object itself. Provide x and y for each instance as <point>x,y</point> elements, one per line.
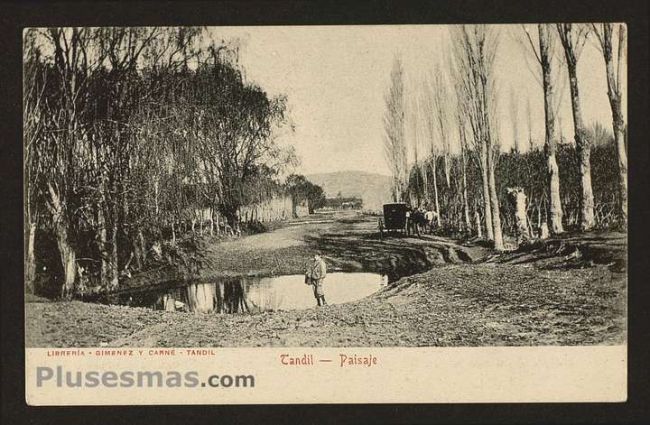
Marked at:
<point>250,294</point>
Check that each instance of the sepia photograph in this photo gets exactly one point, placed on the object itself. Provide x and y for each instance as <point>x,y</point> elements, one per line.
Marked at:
<point>325,186</point>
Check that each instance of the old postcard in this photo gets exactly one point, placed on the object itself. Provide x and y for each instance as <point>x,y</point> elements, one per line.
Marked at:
<point>325,214</point>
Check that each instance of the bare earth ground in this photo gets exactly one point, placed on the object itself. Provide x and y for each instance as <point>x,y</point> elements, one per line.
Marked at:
<point>563,292</point>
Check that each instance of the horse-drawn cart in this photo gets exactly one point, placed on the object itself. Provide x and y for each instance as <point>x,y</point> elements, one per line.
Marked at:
<point>394,219</point>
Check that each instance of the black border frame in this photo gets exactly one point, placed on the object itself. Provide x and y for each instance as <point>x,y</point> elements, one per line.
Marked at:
<point>14,16</point>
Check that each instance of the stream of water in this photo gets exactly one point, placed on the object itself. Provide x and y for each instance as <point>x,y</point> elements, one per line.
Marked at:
<point>250,294</point>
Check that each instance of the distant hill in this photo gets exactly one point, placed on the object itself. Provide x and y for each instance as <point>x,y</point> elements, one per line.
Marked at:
<point>373,188</point>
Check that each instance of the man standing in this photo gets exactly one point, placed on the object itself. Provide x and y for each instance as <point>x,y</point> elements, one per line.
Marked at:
<point>314,276</point>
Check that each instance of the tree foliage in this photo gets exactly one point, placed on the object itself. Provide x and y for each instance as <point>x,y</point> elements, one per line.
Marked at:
<point>302,189</point>
<point>129,132</point>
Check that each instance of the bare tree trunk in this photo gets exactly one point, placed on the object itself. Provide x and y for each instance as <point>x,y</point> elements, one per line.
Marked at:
<point>486,195</point>
<point>587,218</point>
<point>67,254</point>
<point>583,149</point>
<point>615,101</point>
<point>543,231</point>
<point>104,272</point>
<point>142,246</point>
<point>425,183</point>
<point>555,210</point>
<point>531,232</point>
<point>447,172</point>
<point>155,194</point>
<point>435,192</point>
<point>477,218</point>
<point>68,259</point>
<point>518,200</point>
<point>619,128</point>
<point>414,116</point>
<point>475,47</point>
<point>115,273</point>
<point>494,204</point>
<point>105,255</point>
<point>570,37</point>
<point>619,137</point>
<point>463,153</point>
<point>30,261</point>
<point>468,223</point>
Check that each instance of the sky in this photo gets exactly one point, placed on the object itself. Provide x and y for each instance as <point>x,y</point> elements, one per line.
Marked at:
<point>335,79</point>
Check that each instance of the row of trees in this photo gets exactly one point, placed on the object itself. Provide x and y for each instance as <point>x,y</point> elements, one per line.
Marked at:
<point>462,102</point>
<point>302,189</point>
<point>526,171</point>
<point>126,131</point>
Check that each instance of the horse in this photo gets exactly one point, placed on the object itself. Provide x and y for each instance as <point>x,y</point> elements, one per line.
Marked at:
<point>417,220</point>
<point>430,217</point>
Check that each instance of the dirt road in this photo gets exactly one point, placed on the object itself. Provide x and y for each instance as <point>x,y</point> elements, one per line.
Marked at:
<point>349,242</point>
<point>456,295</point>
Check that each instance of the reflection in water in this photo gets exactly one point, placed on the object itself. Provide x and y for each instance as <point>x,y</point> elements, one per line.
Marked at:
<point>244,295</point>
